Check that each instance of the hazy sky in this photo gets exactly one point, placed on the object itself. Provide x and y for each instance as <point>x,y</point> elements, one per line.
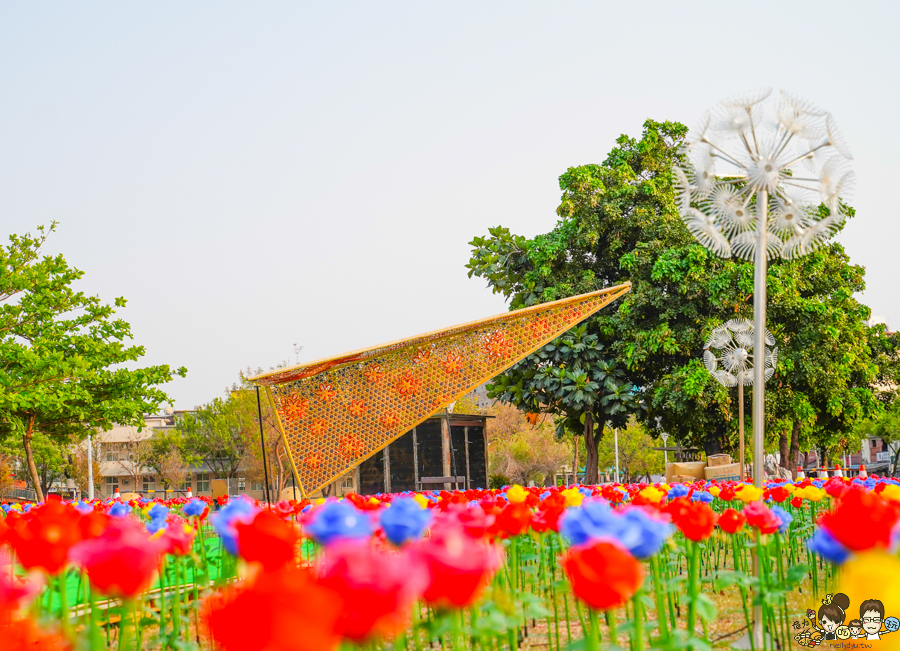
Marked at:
<point>251,175</point>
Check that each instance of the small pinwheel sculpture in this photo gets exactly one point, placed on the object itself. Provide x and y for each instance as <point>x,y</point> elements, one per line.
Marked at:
<point>731,346</point>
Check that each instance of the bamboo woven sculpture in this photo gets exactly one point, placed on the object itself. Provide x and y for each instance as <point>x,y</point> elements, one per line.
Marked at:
<point>337,412</point>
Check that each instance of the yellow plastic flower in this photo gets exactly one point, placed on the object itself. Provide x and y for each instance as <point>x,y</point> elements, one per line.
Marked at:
<point>790,488</point>
<point>749,493</point>
<point>652,494</point>
<point>891,492</point>
<point>665,487</point>
<point>516,494</point>
<point>573,497</point>
<point>811,493</point>
<point>321,500</point>
<point>865,576</point>
<point>714,491</point>
<point>421,499</point>
<point>374,501</point>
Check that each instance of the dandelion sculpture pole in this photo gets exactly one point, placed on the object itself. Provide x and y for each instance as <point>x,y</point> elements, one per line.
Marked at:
<point>783,155</point>
<point>733,342</point>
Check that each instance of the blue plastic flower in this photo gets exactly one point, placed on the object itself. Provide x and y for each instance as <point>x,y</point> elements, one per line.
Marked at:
<point>678,490</point>
<point>593,519</point>
<point>641,534</point>
<point>237,510</point>
<point>82,507</point>
<point>158,512</point>
<point>702,496</point>
<point>119,510</point>
<point>194,507</point>
<point>338,521</point>
<point>785,517</point>
<point>404,520</point>
<point>5,507</point>
<point>157,524</point>
<point>824,544</point>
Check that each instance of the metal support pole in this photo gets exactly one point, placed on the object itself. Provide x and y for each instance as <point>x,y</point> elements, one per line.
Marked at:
<point>262,442</point>
<point>741,425</point>
<point>616,438</point>
<point>759,375</point>
<point>90,462</point>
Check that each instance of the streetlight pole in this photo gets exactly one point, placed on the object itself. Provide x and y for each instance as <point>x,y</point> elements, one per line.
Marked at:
<point>90,469</point>
<point>616,439</point>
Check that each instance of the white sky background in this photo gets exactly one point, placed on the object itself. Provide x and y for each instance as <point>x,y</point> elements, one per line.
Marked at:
<point>250,175</point>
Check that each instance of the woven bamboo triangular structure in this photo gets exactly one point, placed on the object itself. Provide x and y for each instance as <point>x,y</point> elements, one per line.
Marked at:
<point>335,413</point>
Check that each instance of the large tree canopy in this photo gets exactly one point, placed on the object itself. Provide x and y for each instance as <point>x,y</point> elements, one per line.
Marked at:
<point>62,354</point>
<point>619,221</point>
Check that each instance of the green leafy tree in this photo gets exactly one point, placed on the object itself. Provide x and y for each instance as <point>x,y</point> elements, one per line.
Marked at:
<point>218,435</point>
<point>572,379</point>
<point>619,221</point>
<point>63,355</point>
<point>637,458</point>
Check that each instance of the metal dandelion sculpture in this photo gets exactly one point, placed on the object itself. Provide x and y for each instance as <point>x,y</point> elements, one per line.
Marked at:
<point>776,169</point>
<point>731,346</point>
<point>765,179</point>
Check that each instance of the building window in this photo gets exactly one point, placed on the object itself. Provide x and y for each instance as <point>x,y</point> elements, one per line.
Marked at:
<point>112,485</point>
<point>256,486</point>
<point>202,482</point>
<point>347,482</point>
<point>149,484</point>
<point>186,485</point>
<point>242,484</point>
<point>111,453</point>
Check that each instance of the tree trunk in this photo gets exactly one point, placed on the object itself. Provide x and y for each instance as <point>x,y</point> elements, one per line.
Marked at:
<point>795,449</point>
<point>783,449</point>
<point>29,460</point>
<point>575,460</point>
<point>590,444</point>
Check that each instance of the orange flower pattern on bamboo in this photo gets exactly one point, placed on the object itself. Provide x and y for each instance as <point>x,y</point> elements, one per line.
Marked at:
<point>357,408</point>
<point>373,373</point>
<point>408,384</point>
<point>318,427</point>
<point>351,446</point>
<point>389,420</point>
<point>326,392</point>
<point>313,460</point>
<point>497,346</point>
<point>452,363</point>
<point>293,408</point>
<point>540,326</point>
<point>422,355</point>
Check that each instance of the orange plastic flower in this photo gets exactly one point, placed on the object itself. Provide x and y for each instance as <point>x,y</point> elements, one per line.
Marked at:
<point>279,611</point>
<point>452,363</point>
<point>293,408</point>
<point>603,574</point>
<point>267,540</point>
<point>497,346</point>
<point>43,537</point>
<point>318,427</point>
<point>373,373</point>
<point>326,392</point>
<point>389,420</point>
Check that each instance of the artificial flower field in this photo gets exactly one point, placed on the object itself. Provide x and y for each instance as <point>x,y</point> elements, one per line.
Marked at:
<point>630,566</point>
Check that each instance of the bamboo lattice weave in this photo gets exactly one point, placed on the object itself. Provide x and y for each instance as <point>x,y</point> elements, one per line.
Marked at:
<point>337,412</point>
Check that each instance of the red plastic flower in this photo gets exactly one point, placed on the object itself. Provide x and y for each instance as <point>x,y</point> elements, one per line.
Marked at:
<point>278,611</point>
<point>861,520</point>
<point>93,524</point>
<point>731,521</point>
<point>24,634</point>
<point>603,574</point>
<point>695,519</point>
<point>378,588</point>
<point>760,517</point>
<point>797,502</point>
<point>267,540</point>
<point>120,562</point>
<point>459,567</point>
<point>178,538</point>
<point>44,537</point>
<point>778,494</point>
<point>513,520</point>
